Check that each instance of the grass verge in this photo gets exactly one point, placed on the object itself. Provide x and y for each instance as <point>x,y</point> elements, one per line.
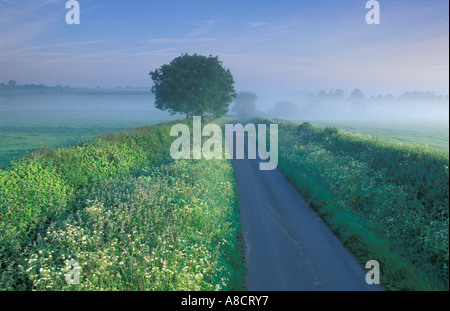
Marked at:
<point>125,212</point>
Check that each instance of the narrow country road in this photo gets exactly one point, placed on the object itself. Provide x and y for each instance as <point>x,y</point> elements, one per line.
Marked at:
<point>288,246</point>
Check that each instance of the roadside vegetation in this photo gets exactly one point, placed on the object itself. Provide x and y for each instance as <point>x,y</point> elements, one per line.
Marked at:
<point>387,202</point>
<point>132,218</point>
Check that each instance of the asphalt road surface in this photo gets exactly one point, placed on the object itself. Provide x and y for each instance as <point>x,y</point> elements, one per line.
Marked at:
<point>287,245</point>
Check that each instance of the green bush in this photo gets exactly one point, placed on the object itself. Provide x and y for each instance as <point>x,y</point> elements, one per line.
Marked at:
<point>29,193</point>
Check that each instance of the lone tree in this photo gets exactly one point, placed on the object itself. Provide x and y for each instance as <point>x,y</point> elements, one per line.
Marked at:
<point>245,104</point>
<point>193,85</point>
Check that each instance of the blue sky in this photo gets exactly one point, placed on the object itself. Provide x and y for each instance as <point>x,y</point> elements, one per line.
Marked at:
<point>270,46</point>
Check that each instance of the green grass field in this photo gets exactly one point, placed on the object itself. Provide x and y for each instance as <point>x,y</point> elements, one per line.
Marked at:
<point>23,131</point>
<point>434,135</point>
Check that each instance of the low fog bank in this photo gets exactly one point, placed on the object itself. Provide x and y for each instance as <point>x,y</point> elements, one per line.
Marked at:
<point>370,110</point>
<point>79,107</point>
<point>421,107</point>
<point>415,118</point>
<point>124,102</point>
<point>298,106</point>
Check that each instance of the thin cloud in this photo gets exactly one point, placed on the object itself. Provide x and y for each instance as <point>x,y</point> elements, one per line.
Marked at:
<point>23,22</point>
<point>179,40</point>
<point>84,10</point>
<point>256,24</point>
<point>57,45</point>
<point>203,27</point>
<point>194,37</point>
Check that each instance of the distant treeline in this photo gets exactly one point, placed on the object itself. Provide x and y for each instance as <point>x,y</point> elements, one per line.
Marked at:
<point>11,88</point>
<point>359,95</point>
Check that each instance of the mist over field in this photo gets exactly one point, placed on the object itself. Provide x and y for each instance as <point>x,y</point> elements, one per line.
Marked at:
<point>67,106</point>
<point>75,99</point>
<point>414,117</point>
<point>55,116</point>
<point>313,107</point>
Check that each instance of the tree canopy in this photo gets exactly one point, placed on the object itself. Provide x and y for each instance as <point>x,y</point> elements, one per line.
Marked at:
<point>284,109</point>
<point>193,85</point>
<point>357,94</point>
<point>245,104</point>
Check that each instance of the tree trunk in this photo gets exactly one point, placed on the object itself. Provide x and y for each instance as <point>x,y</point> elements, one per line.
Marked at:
<point>187,115</point>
